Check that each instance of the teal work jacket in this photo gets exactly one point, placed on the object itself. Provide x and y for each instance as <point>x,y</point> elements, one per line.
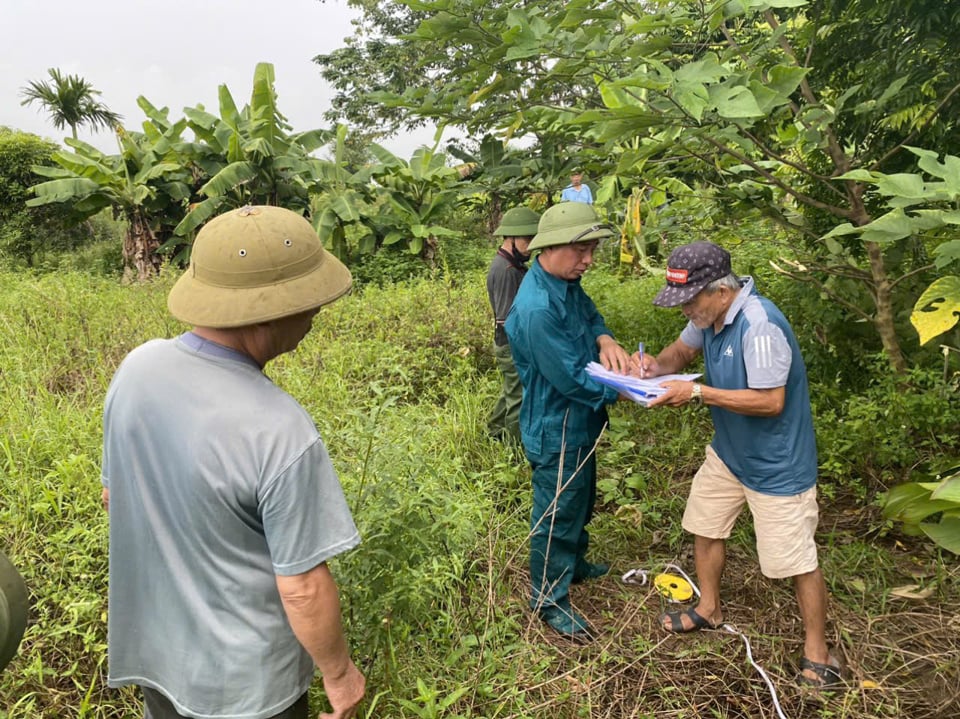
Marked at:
<point>553,328</point>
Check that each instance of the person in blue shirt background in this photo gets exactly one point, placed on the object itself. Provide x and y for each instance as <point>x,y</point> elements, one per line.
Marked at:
<point>763,452</point>
<point>576,191</point>
<point>555,330</point>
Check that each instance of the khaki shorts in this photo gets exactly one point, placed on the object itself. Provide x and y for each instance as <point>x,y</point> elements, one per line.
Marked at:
<point>784,526</point>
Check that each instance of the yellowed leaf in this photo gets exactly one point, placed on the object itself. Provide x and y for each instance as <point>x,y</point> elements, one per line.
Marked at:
<point>912,591</point>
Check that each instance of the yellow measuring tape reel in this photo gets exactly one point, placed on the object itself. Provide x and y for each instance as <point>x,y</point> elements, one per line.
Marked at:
<point>674,588</point>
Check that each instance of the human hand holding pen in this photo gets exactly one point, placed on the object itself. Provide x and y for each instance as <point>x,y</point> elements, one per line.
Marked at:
<point>644,365</point>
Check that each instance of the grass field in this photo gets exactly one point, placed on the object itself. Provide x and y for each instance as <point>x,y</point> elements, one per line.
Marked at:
<point>399,381</point>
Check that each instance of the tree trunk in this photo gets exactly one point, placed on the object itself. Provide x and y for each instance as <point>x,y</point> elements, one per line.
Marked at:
<point>140,248</point>
<point>496,212</point>
<point>883,319</point>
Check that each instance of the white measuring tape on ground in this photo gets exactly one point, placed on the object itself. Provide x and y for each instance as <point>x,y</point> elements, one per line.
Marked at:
<point>681,589</point>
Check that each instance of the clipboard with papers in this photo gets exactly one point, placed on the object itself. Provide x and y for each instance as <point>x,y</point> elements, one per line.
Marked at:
<point>641,391</point>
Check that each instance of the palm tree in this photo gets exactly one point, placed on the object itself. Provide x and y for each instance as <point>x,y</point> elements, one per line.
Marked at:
<point>70,101</point>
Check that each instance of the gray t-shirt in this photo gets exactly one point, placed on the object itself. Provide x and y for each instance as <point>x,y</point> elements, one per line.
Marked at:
<point>218,482</point>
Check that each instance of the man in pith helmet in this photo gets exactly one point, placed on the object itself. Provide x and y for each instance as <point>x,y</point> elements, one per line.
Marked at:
<point>517,228</point>
<point>224,505</point>
<point>555,330</point>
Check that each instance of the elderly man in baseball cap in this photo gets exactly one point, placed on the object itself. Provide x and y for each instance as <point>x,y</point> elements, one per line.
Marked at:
<point>763,452</point>
<point>224,505</point>
<point>555,330</point>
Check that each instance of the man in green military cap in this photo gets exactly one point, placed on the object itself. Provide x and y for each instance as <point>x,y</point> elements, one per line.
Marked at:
<point>555,330</point>
<point>224,505</point>
<point>13,610</point>
<point>517,228</point>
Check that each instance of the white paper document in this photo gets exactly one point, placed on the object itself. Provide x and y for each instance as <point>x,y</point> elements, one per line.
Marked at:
<point>641,391</point>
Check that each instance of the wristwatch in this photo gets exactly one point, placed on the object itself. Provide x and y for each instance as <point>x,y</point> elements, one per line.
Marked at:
<point>696,394</point>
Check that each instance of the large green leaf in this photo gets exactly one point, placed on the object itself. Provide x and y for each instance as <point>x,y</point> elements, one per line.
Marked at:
<point>229,178</point>
<point>895,225</point>
<point>199,213</point>
<point>949,490</point>
<point>938,308</point>
<point>346,206</point>
<point>910,503</point>
<point>734,101</point>
<point>151,173</point>
<point>901,184</point>
<point>263,106</point>
<point>785,79</point>
<point>948,170</point>
<point>62,191</point>
<point>946,254</point>
<point>693,97</point>
<point>946,533</point>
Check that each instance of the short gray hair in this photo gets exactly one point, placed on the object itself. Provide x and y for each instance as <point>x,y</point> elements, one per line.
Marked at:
<point>731,282</point>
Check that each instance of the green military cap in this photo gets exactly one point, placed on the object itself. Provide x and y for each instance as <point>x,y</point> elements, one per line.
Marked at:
<point>518,222</point>
<point>567,223</point>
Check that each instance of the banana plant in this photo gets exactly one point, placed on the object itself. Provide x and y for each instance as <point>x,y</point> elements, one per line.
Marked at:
<point>344,202</point>
<point>930,507</point>
<point>145,184</point>
<point>419,195</point>
<point>251,156</point>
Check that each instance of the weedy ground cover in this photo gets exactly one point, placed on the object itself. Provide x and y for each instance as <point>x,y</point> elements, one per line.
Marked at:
<point>399,380</point>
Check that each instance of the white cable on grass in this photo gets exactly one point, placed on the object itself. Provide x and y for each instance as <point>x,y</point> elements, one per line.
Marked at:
<point>773,691</point>
<point>725,627</point>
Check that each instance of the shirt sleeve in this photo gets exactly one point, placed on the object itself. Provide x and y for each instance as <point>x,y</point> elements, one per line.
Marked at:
<point>306,520</point>
<point>692,336</point>
<point>502,288</point>
<point>562,365</point>
<point>598,326</point>
<point>766,355</point>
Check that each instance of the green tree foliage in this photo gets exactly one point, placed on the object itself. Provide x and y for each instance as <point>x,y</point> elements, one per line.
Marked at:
<point>927,209</point>
<point>374,60</point>
<point>27,233</point>
<point>70,101</point>
<point>767,103</point>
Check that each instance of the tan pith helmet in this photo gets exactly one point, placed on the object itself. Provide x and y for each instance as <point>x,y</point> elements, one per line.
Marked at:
<point>13,610</point>
<point>567,223</point>
<point>256,264</point>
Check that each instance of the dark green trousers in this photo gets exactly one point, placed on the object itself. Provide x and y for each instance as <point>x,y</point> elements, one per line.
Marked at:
<point>564,493</point>
<point>505,418</point>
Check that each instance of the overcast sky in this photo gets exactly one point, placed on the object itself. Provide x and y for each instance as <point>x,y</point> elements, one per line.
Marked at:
<point>176,53</point>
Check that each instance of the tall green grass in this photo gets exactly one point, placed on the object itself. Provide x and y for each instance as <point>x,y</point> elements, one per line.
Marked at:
<point>399,380</point>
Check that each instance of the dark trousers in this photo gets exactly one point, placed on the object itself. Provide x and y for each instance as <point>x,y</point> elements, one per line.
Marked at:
<point>564,492</point>
<point>157,706</point>
<point>504,422</point>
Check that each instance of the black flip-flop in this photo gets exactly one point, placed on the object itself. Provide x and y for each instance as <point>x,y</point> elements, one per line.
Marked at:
<point>828,675</point>
<point>676,623</point>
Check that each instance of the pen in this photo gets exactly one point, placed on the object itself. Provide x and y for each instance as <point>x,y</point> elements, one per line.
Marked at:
<point>640,350</point>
